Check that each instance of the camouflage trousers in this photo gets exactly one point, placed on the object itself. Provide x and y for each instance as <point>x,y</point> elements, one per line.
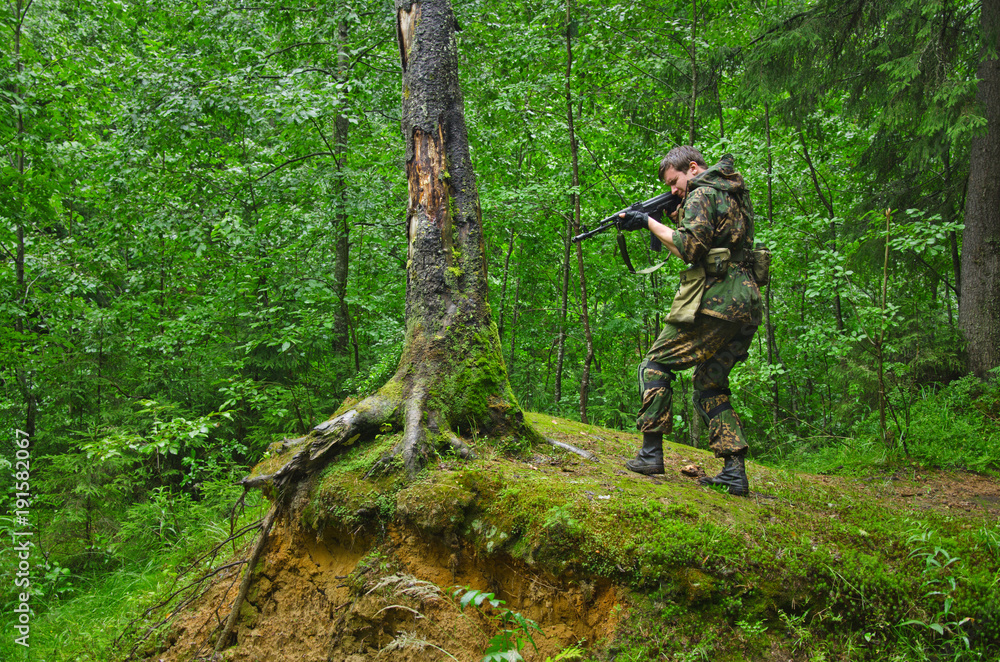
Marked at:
<point>713,347</point>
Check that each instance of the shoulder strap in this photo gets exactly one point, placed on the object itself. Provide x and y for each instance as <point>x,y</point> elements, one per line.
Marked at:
<point>624,251</point>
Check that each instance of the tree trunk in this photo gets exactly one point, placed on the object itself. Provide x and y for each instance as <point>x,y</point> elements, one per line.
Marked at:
<point>832,245</point>
<point>513,326</point>
<point>948,214</point>
<point>979,311</point>
<point>768,326</point>
<point>696,423</point>
<point>692,118</point>
<point>341,230</point>
<point>561,339</point>
<point>451,374</point>
<point>575,203</point>
<point>503,284</point>
<point>23,376</point>
<point>452,368</point>
<point>718,98</point>
<point>880,345</point>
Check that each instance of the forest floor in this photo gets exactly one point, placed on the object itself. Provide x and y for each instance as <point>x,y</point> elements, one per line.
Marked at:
<point>912,487</point>
<point>946,491</point>
<point>627,567</point>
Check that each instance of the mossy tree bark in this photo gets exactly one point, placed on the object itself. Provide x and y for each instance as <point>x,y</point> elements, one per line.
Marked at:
<point>452,373</point>
<point>451,380</point>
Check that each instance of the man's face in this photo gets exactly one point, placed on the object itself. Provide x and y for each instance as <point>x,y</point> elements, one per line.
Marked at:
<point>678,181</point>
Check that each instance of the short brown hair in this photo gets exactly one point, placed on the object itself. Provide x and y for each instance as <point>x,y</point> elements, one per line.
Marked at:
<point>679,157</point>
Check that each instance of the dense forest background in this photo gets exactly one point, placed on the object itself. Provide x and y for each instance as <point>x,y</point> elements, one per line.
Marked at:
<point>203,244</point>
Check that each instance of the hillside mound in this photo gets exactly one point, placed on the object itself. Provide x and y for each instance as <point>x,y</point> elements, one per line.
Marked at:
<point>560,543</point>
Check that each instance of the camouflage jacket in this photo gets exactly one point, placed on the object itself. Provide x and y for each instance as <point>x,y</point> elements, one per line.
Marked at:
<point>717,214</point>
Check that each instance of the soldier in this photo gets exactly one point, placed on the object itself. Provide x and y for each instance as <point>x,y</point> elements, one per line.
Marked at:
<point>715,314</point>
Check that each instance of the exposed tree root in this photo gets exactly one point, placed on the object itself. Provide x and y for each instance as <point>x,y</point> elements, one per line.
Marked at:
<point>460,447</point>
<point>220,643</point>
<point>408,406</point>
<point>402,403</point>
<point>412,449</point>
<point>329,438</point>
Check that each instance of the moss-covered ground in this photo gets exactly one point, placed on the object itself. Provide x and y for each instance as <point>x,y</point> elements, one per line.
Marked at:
<point>808,567</point>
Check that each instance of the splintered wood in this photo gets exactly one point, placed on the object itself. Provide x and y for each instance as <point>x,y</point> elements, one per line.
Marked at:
<point>405,27</point>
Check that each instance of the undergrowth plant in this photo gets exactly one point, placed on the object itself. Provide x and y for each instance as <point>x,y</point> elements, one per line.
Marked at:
<point>942,614</point>
<point>513,630</point>
<point>82,615</point>
<point>951,426</point>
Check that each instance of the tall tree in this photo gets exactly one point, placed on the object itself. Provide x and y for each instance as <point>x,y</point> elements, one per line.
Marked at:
<point>451,373</point>
<point>19,209</point>
<point>979,314</point>
<point>341,230</point>
<point>574,199</point>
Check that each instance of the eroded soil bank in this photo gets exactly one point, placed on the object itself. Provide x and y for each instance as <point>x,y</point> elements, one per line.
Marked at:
<point>340,598</point>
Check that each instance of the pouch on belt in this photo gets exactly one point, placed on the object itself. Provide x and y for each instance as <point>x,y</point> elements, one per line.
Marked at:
<point>687,301</point>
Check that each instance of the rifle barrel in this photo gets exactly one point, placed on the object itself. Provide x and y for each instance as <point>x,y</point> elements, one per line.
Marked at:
<point>587,235</point>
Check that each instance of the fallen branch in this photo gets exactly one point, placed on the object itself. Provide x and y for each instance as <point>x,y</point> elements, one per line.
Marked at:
<point>587,455</point>
<point>192,587</point>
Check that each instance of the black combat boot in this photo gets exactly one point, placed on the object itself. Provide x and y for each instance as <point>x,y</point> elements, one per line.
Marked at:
<point>650,458</point>
<point>733,475</point>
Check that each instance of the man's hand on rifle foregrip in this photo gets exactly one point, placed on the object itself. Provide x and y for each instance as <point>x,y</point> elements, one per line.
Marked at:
<point>633,219</point>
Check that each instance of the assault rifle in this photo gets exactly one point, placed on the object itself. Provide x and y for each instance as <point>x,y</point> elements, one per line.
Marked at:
<point>658,207</point>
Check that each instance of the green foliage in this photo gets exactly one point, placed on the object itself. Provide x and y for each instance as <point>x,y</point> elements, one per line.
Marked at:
<point>81,612</point>
<point>179,185</point>
<point>513,631</point>
<point>958,426</point>
<point>364,385</point>
<point>183,228</point>
<point>955,426</point>
<point>939,583</point>
<point>752,629</point>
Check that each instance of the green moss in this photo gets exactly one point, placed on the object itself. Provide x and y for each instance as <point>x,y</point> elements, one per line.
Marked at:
<point>248,615</point>
<point>694,585</point>
<point>473,391</point>
<point>436,506</point>
<point>815,552</point>
<point>392,390</point>
<point>341,497</point>
<point>345,406</point>
<point>260,587</point>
